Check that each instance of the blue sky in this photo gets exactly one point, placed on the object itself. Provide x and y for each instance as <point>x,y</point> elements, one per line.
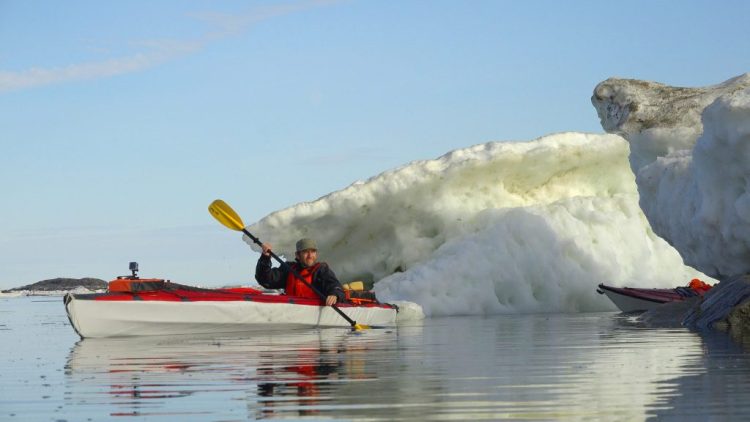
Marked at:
<point>121,121</point>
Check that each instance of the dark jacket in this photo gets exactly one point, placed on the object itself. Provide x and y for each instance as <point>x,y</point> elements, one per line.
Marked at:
<point>324,280</point>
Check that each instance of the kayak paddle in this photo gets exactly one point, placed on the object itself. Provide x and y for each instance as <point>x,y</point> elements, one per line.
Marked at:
<point>225,215</point>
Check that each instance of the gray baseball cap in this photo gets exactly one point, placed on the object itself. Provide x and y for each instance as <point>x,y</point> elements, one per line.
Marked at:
<point>305,244</point>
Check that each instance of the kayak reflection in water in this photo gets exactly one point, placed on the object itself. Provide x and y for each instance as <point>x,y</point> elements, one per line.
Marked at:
<point>317,274</point>
<point>295,382</point>
<point>303,381</point>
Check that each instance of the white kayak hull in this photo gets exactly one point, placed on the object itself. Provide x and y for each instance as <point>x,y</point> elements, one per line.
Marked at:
<point>96,319</point>
<point>631,304</point>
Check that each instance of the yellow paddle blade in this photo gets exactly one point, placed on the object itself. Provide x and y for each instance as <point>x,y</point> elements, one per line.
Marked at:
<point>358,327</point>
<point>225,215</point>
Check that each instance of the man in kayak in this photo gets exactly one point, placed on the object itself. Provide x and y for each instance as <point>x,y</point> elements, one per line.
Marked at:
<point>317,274</point>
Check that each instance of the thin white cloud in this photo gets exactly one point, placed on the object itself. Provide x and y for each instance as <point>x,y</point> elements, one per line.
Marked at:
<point>34,77</point>
<point>233,24</point>
<point>155,53</point>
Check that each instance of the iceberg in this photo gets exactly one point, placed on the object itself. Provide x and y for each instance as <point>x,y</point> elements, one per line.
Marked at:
<point>500,227</point>
<point>690,153</point>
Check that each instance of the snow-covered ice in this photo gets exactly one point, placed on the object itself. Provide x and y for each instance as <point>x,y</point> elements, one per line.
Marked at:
<point>501,227</point>
<point>690,152</point>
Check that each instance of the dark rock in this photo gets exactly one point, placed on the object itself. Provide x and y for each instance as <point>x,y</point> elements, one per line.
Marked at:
<point>63,284</point>
<point>725,307</point>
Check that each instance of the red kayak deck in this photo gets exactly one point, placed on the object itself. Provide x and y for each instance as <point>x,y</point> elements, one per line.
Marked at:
<point>652,295</point>
<point>173,292</point>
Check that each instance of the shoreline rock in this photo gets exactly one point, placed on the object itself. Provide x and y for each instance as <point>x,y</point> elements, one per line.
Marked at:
<point>726,307</point>
<point>59,286</point>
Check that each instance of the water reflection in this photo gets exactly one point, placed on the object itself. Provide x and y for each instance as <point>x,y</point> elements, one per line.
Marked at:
<point>553,367</point>
<point>532,367</point>
<point>714,385</point>
<point>293,374</point>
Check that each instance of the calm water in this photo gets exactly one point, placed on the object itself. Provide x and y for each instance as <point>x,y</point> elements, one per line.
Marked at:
<point>530,367</point>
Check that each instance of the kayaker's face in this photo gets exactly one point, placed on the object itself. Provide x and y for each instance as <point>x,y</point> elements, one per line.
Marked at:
<point>308,257</point>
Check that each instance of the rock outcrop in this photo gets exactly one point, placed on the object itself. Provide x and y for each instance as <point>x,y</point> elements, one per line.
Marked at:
<point>62,284</point>
<point>725,307</point>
